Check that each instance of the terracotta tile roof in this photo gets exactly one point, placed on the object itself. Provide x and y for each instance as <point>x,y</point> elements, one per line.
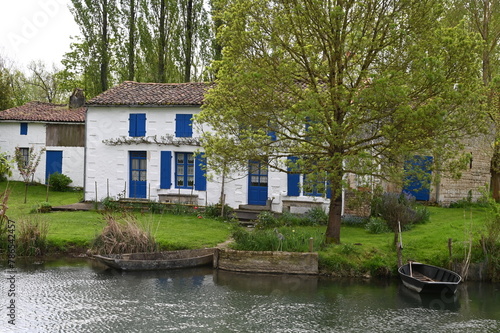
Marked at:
<point>135,93</point>
<point>45,112</point>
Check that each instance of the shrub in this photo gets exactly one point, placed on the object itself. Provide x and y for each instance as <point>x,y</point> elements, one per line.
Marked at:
<point>377,225</point>
<point>43,207</point>
<point>397,208</point>
<point>124,235</point>
<point>267,220</point>
<point>215,211</point>
<point>59,182</point>
<point>354,221</point>
<point>31,235</point>
<point>316,216</point>
<point>110,204</point>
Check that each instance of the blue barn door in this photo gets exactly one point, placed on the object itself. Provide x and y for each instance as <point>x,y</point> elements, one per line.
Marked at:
<point>418,177</point>
<point>138,174</point>
<point>257,183</point>
<point>53,163</point>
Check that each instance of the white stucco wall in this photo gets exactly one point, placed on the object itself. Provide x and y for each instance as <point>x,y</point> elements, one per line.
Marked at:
<point>107,165</point>
<point>10,138</point>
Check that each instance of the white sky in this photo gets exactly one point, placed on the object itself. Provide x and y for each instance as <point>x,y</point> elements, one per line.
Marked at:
<point>35,30</point>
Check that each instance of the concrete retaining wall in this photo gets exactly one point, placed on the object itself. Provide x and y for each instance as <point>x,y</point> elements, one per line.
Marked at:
<point>266,261</point>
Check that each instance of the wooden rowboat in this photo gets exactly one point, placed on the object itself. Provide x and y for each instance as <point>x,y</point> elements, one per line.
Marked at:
<point>424,278</point>
<point>158,260</point>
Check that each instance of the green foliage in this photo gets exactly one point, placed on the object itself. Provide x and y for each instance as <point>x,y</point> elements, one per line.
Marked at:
<point>215,211</point>
<point>5,167</point>
<point>43,207</point>
<point>394,68</point>
<point>316,216</point>
<point>110,204</point>
<point>377,225</point>
<point>268,240</point>
<point>354,221</point>
<point>59,182</point>
<point>31,235</point>
<point>398,209</point>
<point>267,220</point>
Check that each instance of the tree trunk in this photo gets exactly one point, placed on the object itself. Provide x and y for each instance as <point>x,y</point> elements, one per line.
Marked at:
<point>104,47</point>
<point>189,41</point>
<point>334,219</point>
<point>131,40</point>
<point>162,44</point>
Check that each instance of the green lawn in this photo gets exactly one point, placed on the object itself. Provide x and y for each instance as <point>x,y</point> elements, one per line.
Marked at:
<point>77,229</point>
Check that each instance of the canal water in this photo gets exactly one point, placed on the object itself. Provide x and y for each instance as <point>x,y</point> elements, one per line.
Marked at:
<point>82,296</point>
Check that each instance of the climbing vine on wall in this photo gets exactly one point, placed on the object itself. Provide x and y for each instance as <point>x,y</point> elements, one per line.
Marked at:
<point>166,140</point>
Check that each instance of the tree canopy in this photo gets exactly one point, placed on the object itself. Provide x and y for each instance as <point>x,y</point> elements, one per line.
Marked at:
<point>330,87</point>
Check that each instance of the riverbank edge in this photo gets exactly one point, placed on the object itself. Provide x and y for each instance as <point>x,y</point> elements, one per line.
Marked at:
<point>476,271</point>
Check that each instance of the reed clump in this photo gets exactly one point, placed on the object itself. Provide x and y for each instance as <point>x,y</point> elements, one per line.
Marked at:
<point>31,238</point>
<point>124,235</point>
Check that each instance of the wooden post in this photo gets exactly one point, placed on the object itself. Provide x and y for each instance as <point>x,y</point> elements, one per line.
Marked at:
<point>400,255</point>
<point>311,244</point>
<point>450,247</point>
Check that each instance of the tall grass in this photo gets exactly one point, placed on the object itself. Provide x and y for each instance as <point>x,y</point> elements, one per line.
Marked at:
<point>292,240</point>
<point>31,235</point>
<point>124,235</point>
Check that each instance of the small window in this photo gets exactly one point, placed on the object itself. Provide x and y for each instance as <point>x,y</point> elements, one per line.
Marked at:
<point>137,124</point>
<point>24,128</point>
<point>25,153</point>
<point>183,128</point>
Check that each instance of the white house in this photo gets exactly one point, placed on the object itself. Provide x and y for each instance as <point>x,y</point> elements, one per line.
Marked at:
<point>140,144</point>
<point>55,127</point>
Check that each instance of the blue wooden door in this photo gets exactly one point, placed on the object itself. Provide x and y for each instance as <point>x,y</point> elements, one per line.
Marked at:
<point>257,183</point>
<point>53,163</point>
<point>138,174</point>
<point>418,177</point>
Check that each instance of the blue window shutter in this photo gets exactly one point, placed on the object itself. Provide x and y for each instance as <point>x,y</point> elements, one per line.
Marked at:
<point>183,128</point>
<point>165,169</point>
<point>272,135</point>
<point>328,190</point>
<point>137,124</point>
<point>293,181</point>
<point>24,128</point>
<point>141,124</point>
<point>200,181</point>
<point>132,120</point>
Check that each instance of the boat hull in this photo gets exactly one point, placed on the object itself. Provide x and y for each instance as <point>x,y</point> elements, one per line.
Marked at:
<point>158,260</point>
<point>424,278</point>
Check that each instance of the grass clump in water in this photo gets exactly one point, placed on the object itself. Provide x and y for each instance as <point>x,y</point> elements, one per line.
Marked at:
<point>31,235</point>
<point>124,235</point>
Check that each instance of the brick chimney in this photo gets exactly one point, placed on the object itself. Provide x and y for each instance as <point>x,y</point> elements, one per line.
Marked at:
<point>77,99</point>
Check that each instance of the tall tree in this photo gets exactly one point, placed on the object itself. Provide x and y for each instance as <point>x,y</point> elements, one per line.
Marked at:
<point>484,18</point>
<point>94,51</point>
<point>45,83</point>
<point>330,87</point>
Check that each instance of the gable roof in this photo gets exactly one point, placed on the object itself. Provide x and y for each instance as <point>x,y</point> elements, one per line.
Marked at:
<point>44,112</point>
<point>138,93</point>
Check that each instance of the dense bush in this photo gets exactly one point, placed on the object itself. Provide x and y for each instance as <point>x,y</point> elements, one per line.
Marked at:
<point>398,210</point>
<point>354,221</point>
<point>377,225</point>
<point>59,182</point>
<point>215,211</point>
<point>316,216</point>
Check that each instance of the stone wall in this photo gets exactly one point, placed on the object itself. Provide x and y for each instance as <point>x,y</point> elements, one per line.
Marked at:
<point>266,261</point>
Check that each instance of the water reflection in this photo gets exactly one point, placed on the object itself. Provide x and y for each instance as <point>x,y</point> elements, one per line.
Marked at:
<point>82,296</point>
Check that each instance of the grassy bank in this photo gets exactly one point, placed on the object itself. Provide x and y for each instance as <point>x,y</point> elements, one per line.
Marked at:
<point>75,231</point>
<point>360,253</point>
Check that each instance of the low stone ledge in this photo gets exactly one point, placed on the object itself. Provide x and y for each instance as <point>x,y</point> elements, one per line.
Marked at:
<point>267,261</point>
